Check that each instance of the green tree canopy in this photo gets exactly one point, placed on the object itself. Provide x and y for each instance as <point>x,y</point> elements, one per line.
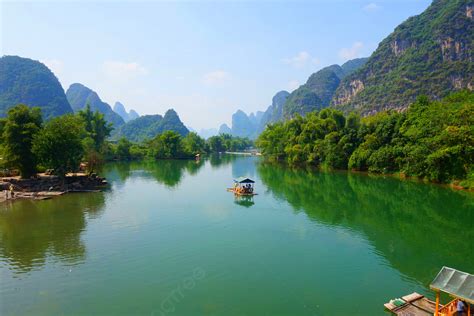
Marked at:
<point>59,144</point>
<point>432,140</point>
<point>96,127</point>
<point>21,126</point>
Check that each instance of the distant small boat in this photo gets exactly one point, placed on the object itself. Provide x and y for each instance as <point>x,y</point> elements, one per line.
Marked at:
<point>243,186</point>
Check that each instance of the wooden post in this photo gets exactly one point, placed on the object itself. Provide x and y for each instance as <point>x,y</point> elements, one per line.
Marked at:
<point>468,309</point>
<point>437,303</point>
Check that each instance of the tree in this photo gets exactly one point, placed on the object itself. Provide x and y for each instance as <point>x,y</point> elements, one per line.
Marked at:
<point>96,127</point>
<point>123,149</point>
<point>166,146</point>
<point>433,140</point>
<point>97,130</point>
<point>21,126</point>
<point>59,144</point>
<point>193,144</point>
<point>215,144</point>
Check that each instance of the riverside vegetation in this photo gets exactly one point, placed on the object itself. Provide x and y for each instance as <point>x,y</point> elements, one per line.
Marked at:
<point>30,145</point>
<point>433,140</point>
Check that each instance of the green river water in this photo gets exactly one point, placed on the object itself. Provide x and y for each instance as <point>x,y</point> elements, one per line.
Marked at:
<point>167,239</point>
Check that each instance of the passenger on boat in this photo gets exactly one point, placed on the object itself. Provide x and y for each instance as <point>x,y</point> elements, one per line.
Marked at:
<point>461,308</point>
<point>247,188</point>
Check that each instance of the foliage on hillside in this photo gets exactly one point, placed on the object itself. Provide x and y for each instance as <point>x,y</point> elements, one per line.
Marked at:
<point>429,54</point>
<point>29,82</point>
<point>148,126</point>
<point>80,96</point>
<point>318,91</point>
<point>432,140</point>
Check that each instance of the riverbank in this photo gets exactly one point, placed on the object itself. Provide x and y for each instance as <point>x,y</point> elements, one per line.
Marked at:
<point>454,185</point>
<point>244,153</point>
<point>46,186</point>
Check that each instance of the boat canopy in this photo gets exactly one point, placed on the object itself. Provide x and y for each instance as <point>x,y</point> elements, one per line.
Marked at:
<point>456,283</point>
<point>243,180</point>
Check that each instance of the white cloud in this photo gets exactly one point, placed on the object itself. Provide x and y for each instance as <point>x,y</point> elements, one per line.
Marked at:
<point>352,52</point>
<point>292,85</point>
<point>55,65</point>
<point>216,77</point>
<point>301,60</point>
<point>116,69</point>
<point>371,7</point>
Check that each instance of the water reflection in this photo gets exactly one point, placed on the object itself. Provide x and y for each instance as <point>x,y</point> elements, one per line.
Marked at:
<point>244,166</point>
<point>221,160</point>
<point>32,231</point>
<point>245,201</point>
<point>418,228</point>
<point>167,172</point>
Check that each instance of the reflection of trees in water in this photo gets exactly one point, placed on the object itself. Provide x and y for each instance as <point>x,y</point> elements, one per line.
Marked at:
<point>241,165</point>
<point>418,228</point>
<point>244,167</point>
<point>30,231</point>
<point>167,172</point>
<point>221,160</point>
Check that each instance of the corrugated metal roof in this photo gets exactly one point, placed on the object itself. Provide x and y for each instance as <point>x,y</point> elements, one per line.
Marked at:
<point>457,283</point>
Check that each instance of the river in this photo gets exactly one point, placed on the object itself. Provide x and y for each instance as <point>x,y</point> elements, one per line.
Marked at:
<point>168,239</point>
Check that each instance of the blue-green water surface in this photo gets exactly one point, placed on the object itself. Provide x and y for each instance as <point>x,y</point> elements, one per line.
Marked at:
<point>168,239</point>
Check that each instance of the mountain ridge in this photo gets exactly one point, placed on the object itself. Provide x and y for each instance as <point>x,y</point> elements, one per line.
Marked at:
<point>319,89</point>
<point>119,108</point>
<point>79,96</point>
<point>430,54</point>
<point>28,81</point>
<point>148,126</point>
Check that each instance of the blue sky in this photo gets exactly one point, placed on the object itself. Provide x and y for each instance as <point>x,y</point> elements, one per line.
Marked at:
<point>205,59</point>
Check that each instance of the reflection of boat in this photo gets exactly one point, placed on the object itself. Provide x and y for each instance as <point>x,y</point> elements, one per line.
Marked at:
<point>243,186</point>
<point>244,200</point>
<point>459,285</point>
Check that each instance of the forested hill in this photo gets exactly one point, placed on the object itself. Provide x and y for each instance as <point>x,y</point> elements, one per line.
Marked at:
<point>148,126</point>
<point>429,54</point>
<point>27,81</point>
<point>318,91</point>
<point>79,96</point>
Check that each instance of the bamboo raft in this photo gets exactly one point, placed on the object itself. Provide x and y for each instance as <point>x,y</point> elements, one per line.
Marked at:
<point>243,187</point>
<point>240,193</point>
<point>414,304</point>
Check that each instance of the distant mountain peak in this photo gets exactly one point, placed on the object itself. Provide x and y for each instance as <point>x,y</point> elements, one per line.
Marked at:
<point>148,126</point>
<point>171,113</point>
<point>119,108</point>
<point>79,96</point>
<point>225,129</point>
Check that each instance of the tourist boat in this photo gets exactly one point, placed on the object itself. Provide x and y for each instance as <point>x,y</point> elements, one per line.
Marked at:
<point>459,285</point>
<point>243,186</point>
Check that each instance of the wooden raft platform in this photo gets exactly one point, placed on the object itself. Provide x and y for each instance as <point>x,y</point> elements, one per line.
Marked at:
<point>240,193</point>
<point>414,304</point>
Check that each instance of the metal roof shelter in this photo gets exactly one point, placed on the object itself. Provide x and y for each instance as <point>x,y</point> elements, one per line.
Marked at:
<point>458,284</point>
<point>244,180</point>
